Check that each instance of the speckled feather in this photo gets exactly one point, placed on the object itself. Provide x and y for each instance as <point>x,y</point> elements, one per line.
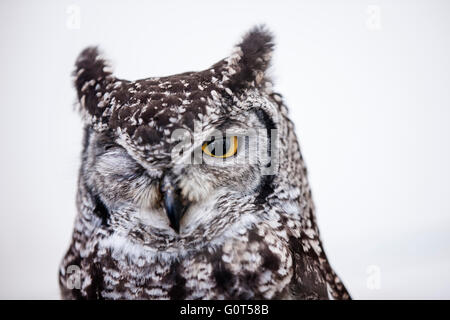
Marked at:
<point>245,236</point>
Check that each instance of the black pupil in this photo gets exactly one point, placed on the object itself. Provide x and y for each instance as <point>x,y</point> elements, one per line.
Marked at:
<point>219,147</point>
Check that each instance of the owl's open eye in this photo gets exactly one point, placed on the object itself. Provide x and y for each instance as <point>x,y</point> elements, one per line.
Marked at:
<point>221,148</point>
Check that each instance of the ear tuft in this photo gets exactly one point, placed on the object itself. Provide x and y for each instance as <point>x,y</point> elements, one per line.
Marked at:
<point>91,76</point>
<point>251,58</point>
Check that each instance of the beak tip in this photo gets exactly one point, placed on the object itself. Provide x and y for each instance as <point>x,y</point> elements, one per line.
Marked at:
<point>175,227</point>
<point>174,209</point>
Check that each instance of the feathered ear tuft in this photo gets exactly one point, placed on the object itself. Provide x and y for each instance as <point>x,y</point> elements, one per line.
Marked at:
<point>92,74</point>
<point>247,65</point>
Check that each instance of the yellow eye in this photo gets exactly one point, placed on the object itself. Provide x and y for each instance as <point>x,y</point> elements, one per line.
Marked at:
<point>221,148</point>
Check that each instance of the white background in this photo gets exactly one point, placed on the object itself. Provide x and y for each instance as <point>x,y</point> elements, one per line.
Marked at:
<point>367,83</point>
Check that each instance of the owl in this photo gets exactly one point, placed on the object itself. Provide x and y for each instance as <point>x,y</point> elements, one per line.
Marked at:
<point>192,186</point>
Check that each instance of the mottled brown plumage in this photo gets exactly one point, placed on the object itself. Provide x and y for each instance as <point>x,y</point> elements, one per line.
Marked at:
<point>154,224</point>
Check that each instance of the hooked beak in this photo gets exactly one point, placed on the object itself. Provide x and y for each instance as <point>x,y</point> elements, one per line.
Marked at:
<point>173,202</point>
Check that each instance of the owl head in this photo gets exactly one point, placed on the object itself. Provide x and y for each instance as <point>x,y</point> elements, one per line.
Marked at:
<point>183,157</point>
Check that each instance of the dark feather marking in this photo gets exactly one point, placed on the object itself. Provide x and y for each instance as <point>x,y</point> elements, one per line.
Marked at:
<point>178,290</point>
<point>306,283</point>
<point>224,278</point>
<point>265,187</point>
<point>270,260</point>
<point>100,210</point>
<point>93,291</point>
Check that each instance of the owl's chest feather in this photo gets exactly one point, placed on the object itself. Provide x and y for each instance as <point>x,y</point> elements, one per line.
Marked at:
<point>254,265</point>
